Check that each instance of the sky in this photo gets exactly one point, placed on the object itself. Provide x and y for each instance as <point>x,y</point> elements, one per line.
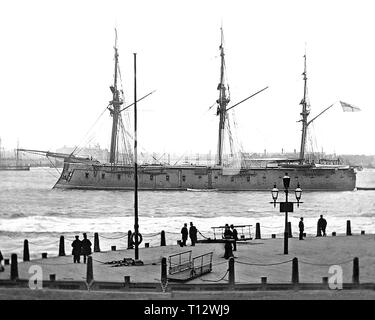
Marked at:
<point>56,66</point>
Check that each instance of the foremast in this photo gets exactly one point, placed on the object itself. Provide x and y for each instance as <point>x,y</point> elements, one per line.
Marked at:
<point>222,102</point>
<point>115,110</point>
<point>304,114</point>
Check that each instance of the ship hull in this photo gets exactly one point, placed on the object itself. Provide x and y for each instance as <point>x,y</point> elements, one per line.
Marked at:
<point>113,177</point>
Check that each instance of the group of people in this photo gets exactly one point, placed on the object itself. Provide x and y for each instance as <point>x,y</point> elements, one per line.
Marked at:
<point>81,247</point>
<point>185,233</point>
<point>321,230</point>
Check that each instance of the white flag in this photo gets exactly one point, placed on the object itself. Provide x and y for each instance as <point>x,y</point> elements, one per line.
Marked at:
<point>346,107</point>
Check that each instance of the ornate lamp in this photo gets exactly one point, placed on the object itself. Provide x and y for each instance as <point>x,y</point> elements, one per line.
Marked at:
<point>275,193</point>
<point>298,193</point>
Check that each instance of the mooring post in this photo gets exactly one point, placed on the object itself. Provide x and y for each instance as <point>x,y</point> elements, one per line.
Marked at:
<point>162,238</point>
<point>333,234</point>
<point>257,231</point>
<point>26,252</point>
<point>13,267</point>
<point>295,274</point>
<point>62,246</point>
<point>263,280</point>
<point>113,248</point>
<point>96,242</point>
<point>127,281</point>
<point>130,243</point>
<point>163,270</point>
<point>273,236</point>
<point>356,270</point>
<point>290,234</point>
<point>89,271</point>
<point>231,276</point>
<point>362,232</point>
<point>44,255</point>
<point>348,228</point>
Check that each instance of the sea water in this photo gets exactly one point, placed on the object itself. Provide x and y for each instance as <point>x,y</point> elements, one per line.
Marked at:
<point>31,209</point>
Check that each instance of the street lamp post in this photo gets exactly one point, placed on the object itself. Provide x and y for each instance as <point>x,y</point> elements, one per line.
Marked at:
<point>286,206</point>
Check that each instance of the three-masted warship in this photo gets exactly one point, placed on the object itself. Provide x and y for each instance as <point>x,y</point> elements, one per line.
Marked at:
<point>85,173</point>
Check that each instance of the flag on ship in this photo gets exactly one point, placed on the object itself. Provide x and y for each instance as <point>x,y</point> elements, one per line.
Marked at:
<point>346,107</point>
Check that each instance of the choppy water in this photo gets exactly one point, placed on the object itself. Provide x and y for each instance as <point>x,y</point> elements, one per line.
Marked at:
<point>31,209</point>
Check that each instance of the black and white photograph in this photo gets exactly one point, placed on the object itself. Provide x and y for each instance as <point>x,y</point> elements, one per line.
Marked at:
<point>189,155</point>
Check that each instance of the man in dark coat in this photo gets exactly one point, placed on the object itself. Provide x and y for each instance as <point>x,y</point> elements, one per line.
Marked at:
<point>86,247</point>
<point>301,227</point>
<point>76,252</point>
<point>234,236</point>
<point>193,234</point>
<point>323,225</point>
<point>184,234</point>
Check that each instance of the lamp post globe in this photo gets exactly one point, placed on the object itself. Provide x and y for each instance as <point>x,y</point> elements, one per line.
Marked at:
<point>286,181</point>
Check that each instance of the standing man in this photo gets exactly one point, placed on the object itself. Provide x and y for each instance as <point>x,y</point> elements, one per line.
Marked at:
<point>234,236</point>
<point>76,252</point>
<point>301,229</point>
<point>323,225</point>
<point>86,247</point>
<point>193,234</point>
<point>184,233</point>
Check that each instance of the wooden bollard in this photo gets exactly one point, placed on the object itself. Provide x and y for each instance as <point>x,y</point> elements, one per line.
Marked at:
<point>356,270</point>
<point>290,234</point>
<point>325,280</point>
<point>231,276</point>
<point>163,277</point>
<point>52,277</point>
<point>162,238</point>
<point>333,234</point>
<point>257,231</point>
<point>62,247</point>
<point>263,280</point>
<point>44,255</point>
<point>14,267</point>
<point>113,248</point>
<point>96,242</point>
<point>127,281</point>
<point>295,273</point>
<point>147,245</point>
<point>362,232</point>
<point>130,244</point>
<point>348,228</point>
<point>89,270</point>
<point>26,253</point>
<point>273,236</point>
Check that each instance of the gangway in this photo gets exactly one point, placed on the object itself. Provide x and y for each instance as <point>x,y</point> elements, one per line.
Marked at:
<point>182,267</point>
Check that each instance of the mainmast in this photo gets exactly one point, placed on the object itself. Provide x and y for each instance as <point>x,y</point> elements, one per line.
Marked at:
<point>222,103</point>
<point>115,110</point>
<point>305,113</point>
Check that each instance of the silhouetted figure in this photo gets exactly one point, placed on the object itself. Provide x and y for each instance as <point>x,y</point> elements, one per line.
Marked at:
<point>227,232</point>
<point>323,225</point>
<point>234,236</point>
<point>193,234</point>
<point>301,227</point>
<point>184,234</point>
<point>76,252</point>
<point>86,247</point>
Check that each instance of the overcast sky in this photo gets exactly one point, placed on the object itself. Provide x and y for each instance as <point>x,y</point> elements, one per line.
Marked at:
<point>56,65</point>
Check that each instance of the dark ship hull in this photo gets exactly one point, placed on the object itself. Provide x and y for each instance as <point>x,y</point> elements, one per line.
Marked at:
<point>163,177</point>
